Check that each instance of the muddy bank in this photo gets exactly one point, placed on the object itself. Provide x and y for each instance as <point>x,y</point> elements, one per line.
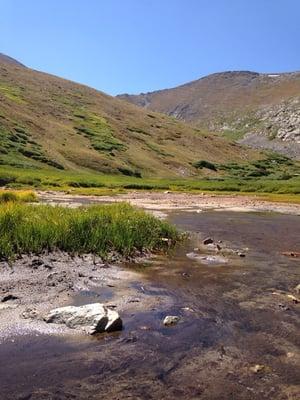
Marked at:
<point>31,286</point>
<point>171,201</point>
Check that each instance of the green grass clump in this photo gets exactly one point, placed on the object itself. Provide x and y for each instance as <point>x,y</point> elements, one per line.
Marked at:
<point>23,196</point>
<point>99,230</point>
<point>98,131</point>
<point>205,164</point>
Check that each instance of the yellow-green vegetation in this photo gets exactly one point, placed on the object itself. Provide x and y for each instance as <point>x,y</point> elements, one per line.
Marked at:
<point>273,174</point>
<point>50,123</point>
<point>118,228</point>
<point>66,136</point>
<point>22,196</point>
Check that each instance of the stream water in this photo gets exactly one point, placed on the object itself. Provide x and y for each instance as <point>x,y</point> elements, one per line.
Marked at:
<point>233,318</point>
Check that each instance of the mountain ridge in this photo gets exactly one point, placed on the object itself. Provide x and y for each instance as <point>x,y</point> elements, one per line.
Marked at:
<point>240,103</point>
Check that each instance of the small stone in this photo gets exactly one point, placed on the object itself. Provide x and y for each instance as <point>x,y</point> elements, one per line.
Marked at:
<point>208,241</point>
<point>9,297</point>
<point>293,298</point>
<point>171,320</point>
<point>297,289</point>
<point>29,313</point>
<point>257,368</point>
<point>36,262</point>
<point>283,307</point>
<point>295,254</point>
<point>241,254</point>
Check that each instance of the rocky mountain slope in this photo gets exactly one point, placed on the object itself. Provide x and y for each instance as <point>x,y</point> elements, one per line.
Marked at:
<point>9,60</point>
<point>49,122</point>
<point>262,110</point>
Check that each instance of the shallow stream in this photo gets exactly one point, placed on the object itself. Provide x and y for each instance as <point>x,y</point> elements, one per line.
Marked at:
<point>233,317</point>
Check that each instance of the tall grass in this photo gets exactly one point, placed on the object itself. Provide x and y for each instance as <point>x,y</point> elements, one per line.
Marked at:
<point>100,230</point>
<point>23,196</point>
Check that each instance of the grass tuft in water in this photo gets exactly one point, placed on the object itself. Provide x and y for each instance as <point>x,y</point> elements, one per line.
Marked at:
<point>99,230</point>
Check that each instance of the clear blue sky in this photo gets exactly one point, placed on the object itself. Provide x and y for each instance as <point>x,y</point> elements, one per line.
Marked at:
<point>141,45</point>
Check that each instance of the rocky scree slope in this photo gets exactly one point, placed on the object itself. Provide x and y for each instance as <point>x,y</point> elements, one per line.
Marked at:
<point>236,104</point>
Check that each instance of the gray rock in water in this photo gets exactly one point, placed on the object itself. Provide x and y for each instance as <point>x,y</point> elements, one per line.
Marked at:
<point>207,259</point>
<point>208,240</point>
<point>171,320</point>
<point>94,318</point>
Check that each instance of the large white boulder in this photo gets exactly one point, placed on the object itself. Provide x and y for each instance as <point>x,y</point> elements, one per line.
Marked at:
<point>93,318</point>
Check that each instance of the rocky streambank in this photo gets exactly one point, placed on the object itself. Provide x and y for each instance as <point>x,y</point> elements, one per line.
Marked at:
<point>33,287</point>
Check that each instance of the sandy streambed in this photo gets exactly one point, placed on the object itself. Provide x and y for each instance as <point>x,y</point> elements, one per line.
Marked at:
<point>172,201</point>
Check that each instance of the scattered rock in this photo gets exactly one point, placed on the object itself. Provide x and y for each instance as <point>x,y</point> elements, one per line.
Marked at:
<point>257,368</point>
<point>47,266</point>
<point>145,328</point>
<point>36,262</point>
<point>240,254</point>
<point>295,254</point>
<point>284,307</point>
<point>208,259</point>
<point>94,318</point>
<point>29,313</point>
<point>208,240</point>
<point>134,300</point>
<point>293,298</point>
<point>171,320</point>
<point>297,289</point>
<point>290,354</point>
<point>9,297</point>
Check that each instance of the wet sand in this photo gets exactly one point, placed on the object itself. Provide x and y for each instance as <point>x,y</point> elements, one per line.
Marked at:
<point>238,336</point>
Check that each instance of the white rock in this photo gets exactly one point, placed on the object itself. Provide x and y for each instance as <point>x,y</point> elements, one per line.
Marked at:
<point>93,318</point>
<point>171,320</point>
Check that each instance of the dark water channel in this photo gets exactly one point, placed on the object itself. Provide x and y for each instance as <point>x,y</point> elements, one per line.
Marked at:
<point>231,320</point>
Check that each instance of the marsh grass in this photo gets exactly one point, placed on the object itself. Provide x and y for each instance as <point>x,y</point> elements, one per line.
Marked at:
<point>22,196</point>
<point>283,180</point>
<point>99,230</point>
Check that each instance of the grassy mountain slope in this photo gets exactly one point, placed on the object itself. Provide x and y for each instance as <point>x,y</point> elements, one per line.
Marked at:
<point>50,123</point>
<point>236,104</point>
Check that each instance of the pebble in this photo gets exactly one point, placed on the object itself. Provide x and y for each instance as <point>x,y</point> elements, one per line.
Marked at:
<point>208,241</point>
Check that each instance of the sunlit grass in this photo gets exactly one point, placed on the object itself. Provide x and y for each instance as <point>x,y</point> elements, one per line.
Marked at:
<point>23,196</point>
<point>99,184</point>
<point>118,228</point>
